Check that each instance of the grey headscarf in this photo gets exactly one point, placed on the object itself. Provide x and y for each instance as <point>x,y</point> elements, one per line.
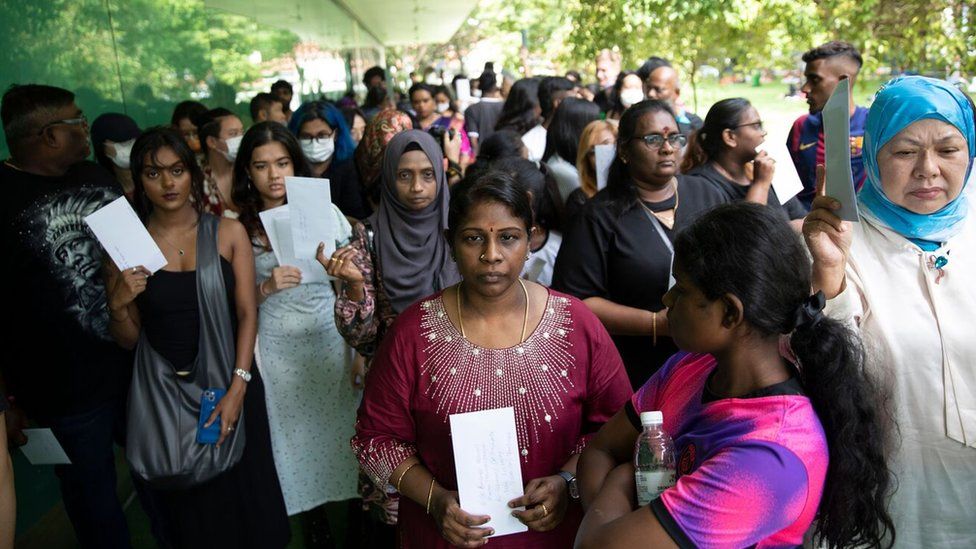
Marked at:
<point>412,253</point>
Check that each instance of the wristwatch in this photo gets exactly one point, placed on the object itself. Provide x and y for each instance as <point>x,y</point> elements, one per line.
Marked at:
<point>570,479</point>
<point>243,374</point>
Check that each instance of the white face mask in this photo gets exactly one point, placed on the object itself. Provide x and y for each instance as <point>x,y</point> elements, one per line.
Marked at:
<point>631,96</point>
<point>123,152</point>
<point>475,93</point>
<point>442,107</point>
<point>318,150</point>
<point>233,144</point>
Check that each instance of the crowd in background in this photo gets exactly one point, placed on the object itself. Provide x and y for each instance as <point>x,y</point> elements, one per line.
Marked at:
<point>817,375</point>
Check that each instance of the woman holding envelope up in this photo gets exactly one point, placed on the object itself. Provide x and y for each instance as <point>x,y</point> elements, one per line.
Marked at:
<point>300,353</point>
<point>491,341</point>
<point>195,319</point>
<point>904,276</point>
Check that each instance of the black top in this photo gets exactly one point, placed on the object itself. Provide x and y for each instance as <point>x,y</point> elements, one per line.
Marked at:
<point>347,193</point>
<point>575,202</point>
<point>60,359</point>
<point>480,118</point>
<point>793,209</point>
<point>169,310</point>
<point>621,257</point>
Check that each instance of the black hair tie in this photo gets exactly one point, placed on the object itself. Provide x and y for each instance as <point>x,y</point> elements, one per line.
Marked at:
<point>810,312</point>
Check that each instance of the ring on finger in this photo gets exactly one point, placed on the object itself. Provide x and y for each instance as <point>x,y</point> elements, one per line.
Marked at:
<point>545,510</point>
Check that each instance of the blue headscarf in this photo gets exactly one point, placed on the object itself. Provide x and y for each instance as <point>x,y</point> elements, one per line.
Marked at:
<point>321,110</point>
<point>898,104</point>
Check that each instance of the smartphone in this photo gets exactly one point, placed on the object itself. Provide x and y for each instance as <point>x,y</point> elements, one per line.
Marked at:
<point>209,400</point>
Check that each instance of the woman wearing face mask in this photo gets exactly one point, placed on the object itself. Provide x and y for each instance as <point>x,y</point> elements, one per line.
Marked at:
<point>207,287</point>
<point>220,133</point>
<point>397,256</point>
<point>300,353</point>
<point>492,340</point>
<point>451,118</point>
<point>324,136</point>
<point>904,277</point>
<point>723,152</point>
<point>112,135</point>
<point>628,90</point>
<point>425,107</point>
<point>616,256</point>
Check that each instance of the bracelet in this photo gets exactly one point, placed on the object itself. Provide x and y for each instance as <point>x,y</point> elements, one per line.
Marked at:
<point>403,474</point>
<point>430,493</point>
<point>654,328</point>
<point>261,288</point>
<point>243,374</point>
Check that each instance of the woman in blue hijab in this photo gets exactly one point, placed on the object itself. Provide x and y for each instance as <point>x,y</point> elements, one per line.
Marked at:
<point>905,275</point>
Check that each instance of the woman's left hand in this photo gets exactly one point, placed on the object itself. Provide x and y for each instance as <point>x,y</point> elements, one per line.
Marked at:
<point>545,500</point>
<point>229,409</point>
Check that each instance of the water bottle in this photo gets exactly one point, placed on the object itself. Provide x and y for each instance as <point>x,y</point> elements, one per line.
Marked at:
<point>654,459</point>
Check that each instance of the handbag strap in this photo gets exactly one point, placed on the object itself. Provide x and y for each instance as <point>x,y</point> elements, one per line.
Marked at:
<point>217,345</point>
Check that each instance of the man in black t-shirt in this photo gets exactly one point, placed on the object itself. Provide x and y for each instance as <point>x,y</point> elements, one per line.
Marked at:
<point>62,366</point>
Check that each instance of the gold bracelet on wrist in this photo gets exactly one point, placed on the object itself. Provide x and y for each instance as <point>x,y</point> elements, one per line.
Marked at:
<point>403,474</point>
<point>430,492</point>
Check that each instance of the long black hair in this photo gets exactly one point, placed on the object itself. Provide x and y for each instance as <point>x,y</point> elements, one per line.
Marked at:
<point>572,115</point>
<point>147,145</point>
<point>547,205</point>
<point>706,143</point>
<point>616,105</point>
<point>244,193</point>
<point>518,112</point>
<point>620,186</point>
<point>748,251</point>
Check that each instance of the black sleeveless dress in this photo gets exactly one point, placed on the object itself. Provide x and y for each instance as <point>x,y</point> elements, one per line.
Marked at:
<point>244,506</point>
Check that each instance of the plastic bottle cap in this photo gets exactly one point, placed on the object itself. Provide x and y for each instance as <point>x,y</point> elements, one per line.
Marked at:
<point>651,418</point>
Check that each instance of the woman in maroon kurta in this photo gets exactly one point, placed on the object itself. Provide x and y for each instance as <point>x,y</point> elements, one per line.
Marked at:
<point>491,341</point>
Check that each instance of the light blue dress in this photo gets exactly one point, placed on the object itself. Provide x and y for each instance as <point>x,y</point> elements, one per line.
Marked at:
<point>311,402</point>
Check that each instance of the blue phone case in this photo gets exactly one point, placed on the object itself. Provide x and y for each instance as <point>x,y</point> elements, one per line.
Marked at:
<point>209,400</point>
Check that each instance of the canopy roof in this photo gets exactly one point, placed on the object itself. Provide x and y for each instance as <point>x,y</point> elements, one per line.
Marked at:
<point>341,24</point>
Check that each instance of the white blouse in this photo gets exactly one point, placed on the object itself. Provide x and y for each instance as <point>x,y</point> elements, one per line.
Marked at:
<point>919,331</point>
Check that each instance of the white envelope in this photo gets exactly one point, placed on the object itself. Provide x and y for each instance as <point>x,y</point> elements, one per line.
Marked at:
<point>126,240</point>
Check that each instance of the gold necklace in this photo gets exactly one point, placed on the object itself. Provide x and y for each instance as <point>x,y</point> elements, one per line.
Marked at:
<point>160,235</point>
<point>525,317</point>
<point>666,217</point>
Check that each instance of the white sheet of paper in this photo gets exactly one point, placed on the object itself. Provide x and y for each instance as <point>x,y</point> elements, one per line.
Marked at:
<point>124,237</point>
<point>604,158</point>
<point>486,458</point>
<point>837,144</point>
<point>277,225</point>
<point>786,180</point>
<point>43,448</point>
<point>312,220</point>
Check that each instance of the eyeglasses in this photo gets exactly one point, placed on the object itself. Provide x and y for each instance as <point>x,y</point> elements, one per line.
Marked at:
<point>656,140</point>
<point>758,125</point>
<point>80,121</point>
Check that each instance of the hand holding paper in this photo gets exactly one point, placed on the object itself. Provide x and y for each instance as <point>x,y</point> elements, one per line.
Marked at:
<point>119,230</point>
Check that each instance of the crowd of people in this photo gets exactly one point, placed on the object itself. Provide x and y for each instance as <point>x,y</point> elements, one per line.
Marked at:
<point>815,374</point>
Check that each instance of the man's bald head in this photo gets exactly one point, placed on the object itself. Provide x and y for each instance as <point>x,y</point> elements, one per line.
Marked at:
<point>663,84</point>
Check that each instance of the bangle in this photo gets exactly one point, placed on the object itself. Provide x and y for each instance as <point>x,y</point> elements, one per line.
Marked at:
<point>654,328</point>
<point>243,374</point>
<point>430,493</point>
<point>403,474</point>
<point>261,288</point>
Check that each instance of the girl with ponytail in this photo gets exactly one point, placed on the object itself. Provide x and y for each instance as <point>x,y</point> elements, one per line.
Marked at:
<point>775,420</point>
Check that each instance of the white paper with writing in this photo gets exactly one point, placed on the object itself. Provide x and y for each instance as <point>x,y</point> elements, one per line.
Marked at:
<point>837,144</point>
<point>604,158</point>
<point>312,219</point>
<point>43,448</point>
<point>277,225</point>
<point>486,458</point>
<point>124,237</point>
